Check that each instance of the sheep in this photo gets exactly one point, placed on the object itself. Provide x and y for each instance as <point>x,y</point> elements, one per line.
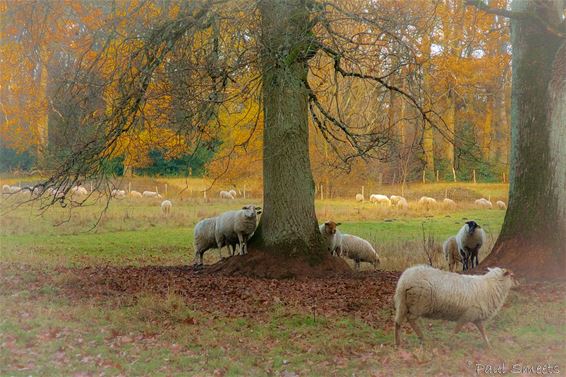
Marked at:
<point>359,198</point>
<point>226,195</point>
<point>501,205</point>
<point>135,194</point>
<point>449,203</point>
<point>331,236</point>
<point>424,291</point>
<point>402,204</point>
<point>166,207</point>
<point>241,223</point>
<point>5,189</point>
<point>451,253</point>
<point>380,199</point>
<point>151,194</point>
<point>118,193</point>
<point>204,238</point>
<point>427,202</point>
<point>233,193</point>
<point>78,190</point>
<point>358,249</point>
<point>395,199</point>
<point>483,203</point>
<point>470,239</point>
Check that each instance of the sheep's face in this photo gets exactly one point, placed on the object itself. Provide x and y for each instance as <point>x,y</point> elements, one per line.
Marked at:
<point>330,227</point>
<point>505,274</point>
<point>472,226</point>
<point>251,211</point>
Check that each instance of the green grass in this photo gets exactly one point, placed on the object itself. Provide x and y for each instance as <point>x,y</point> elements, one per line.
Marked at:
<point>44,331</point>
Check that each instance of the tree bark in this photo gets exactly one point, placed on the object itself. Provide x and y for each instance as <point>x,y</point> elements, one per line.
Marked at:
<point>533,237</point>
<point>288,224</point>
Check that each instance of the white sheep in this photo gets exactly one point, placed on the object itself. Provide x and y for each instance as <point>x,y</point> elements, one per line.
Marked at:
<point>331,236</point>
<point>424,291</point>
<point>501,204</point>
<point>359,198</point>
<point>226,195</point>
<point>402,204</point>
<point>241,223</point>
<point>5,189</point>
<point>470,239</point>
<point>380,199</point>
<point>118,193</point>
<point>358,249</point>
<point>449,203</point>
<point>451,253</point>
<point>151,194</point>
<point>427,202</point>
<point>135,194</point>
<point>204,238</point>
<point>395,199</point>
<point>483,203</point>
<point>78,190</point>
<point>166,207</point>
<point>233,193</point>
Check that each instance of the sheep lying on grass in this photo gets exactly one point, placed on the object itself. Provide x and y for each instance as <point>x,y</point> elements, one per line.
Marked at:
<point>358,249</point>
<point>166,207</point>
<point>451,253</point>
<point>331,236</point>
<point>151,194</point>
<point>470,239</point>
<point>423,291</point>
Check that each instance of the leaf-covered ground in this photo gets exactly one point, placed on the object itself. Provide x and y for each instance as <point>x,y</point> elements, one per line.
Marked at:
<point>116,320</point>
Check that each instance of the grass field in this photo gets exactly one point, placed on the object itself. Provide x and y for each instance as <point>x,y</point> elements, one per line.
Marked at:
<point>121,299</point>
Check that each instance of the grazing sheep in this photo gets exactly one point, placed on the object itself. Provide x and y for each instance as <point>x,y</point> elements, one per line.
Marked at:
<point>233,193</point>
<point>451,253</point>
<point>359,198</point>
<point>241,223</point>
<point>166,207</point>
<point>402,204</point>
<point>483,203</point>
<point>331,236</point>
<point>395,199</point>
<point>136,194</point>
<point>380,199</point>
<point>424,291</point>
<point>5,189</point>
<point>204,238</point>
<point>470,239</point>
<point>118,193</point>
<point>427,202</point>
<point>501,205</point>
<point>151,194</point>
<point>358,249</point>
<point>449,203</point>
<point>78,190</point>
<point>226,195</point>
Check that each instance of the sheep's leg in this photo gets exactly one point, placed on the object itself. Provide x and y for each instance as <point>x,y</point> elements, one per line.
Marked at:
<point>397,334</point>
<point>417,329</point>
<point>357,264</point>
<point>480,327</point>
<point>243,246</point>
<point>458,327</point>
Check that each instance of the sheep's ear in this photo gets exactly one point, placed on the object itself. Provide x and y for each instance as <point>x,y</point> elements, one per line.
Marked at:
<point>245,207</point>
<point>508,273</point>
<point>258,212</point>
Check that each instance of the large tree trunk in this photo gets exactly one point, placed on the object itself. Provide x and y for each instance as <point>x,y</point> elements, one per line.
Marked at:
<point>288,224</point>
<point>533,238</point>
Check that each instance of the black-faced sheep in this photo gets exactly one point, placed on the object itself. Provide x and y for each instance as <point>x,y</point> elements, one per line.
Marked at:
<point>470,239</point>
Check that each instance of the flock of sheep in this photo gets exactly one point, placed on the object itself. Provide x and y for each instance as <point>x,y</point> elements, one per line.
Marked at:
<point>424,202</point>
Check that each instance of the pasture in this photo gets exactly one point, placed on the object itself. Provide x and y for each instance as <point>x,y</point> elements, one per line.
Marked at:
<point>122,299</point>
